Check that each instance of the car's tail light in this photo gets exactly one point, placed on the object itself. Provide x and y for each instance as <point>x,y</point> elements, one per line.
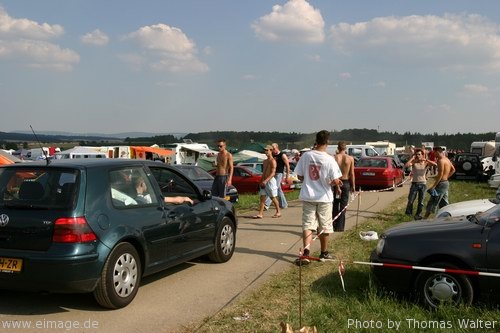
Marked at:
<point>72,230</point>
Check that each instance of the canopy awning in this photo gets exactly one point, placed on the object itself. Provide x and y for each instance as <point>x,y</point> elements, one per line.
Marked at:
<point>6,158</point>
<point>156,150</point>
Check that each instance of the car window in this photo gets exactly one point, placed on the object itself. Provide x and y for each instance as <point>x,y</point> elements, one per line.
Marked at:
<point>131,187</point>
<point>354,152</point>
<point>173,184</point>
<point>39,188</point>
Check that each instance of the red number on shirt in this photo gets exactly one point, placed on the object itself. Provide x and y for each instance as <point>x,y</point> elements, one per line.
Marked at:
<point>314,172</point>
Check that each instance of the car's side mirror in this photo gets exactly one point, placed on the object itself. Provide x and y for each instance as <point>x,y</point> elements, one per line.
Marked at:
<point>207,195</point>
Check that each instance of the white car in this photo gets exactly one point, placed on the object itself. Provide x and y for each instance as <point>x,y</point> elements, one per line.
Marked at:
<point>469,207</point>
<point>494,180</point>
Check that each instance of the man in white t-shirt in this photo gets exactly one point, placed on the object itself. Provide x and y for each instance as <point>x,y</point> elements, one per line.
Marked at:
<point>318,171</point>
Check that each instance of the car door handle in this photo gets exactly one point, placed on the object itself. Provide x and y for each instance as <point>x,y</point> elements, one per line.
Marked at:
<point>171,215</point>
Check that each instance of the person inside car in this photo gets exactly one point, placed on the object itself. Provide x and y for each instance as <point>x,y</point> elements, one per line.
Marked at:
<point>143,197</point>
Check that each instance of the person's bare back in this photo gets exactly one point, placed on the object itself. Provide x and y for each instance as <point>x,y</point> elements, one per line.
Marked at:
<point>346,164</point>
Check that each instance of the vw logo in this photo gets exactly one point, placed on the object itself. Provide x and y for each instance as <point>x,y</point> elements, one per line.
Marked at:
<point>4,219</point>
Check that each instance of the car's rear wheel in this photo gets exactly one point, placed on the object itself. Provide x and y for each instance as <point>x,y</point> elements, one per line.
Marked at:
<point>225,241</point>
<point>120,277</point>
<point>438,288</point>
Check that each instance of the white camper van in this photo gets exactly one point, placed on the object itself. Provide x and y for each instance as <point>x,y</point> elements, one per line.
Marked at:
<point>188,152</point>
<point>356,151</point>
<point>81,152</point>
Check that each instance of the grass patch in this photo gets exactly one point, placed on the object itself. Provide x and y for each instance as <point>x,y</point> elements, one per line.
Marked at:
<point>363,307</point>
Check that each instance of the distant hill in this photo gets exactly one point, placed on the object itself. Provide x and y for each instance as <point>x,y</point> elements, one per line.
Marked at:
<point>54,138</point>
<point>239,139</point>
<point>94,136</point>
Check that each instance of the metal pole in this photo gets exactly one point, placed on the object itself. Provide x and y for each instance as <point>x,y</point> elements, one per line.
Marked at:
<point>357,213</point>
<point>300,293</point>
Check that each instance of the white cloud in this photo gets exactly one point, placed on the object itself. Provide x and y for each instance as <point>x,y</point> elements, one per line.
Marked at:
<point>379,84</point>
<point>167,48</point>
<point>23,28</point>
<point>439,109</point>
<point>39,54</point>
<point>451,42</point>
<point>476,88</point>
<point>296,21</point>
<point>25,41</point>
<point>249,77</point>
<point>345,75</point>
<point>314,58</point>
<point>96,37</point>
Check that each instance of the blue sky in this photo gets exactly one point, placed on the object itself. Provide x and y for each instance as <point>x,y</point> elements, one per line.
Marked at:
<point>160,66</point>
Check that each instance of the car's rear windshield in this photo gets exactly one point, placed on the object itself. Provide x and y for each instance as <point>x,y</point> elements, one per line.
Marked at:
<point>371,162</point>
<point>38,188</point>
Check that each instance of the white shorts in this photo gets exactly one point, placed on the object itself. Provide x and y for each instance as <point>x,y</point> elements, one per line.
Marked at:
<point>316,214</point>
<point>271,189</point>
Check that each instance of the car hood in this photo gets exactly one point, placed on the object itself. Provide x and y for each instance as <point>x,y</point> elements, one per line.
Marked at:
<point>436,226</point>
<point>467,207</point>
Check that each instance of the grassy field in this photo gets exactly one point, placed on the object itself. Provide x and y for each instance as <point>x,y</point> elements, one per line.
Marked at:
<point>313,295</point>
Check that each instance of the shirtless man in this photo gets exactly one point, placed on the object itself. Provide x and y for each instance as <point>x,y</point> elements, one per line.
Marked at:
<point>224,170</point>
<point>340,201</point>
<point>268,185</point>
<point>444,171</point>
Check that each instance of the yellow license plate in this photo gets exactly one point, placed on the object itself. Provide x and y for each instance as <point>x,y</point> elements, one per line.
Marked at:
<point>10,265</point>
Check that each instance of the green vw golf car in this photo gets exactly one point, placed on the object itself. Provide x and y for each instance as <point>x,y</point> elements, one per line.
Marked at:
<point>100,225</point>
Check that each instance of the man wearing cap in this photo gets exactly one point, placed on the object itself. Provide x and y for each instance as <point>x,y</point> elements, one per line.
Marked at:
<point>268,185</point>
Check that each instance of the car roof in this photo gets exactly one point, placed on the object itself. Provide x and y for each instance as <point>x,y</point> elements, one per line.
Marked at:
<point>185,166</point>
<point>83,163</point>
<point>385,157</point>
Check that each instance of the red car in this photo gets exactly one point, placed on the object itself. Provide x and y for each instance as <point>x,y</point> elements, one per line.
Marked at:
<point>247,179</point>
<point>379,171</point>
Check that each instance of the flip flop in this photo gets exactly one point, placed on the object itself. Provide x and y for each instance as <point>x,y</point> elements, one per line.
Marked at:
<point>275,216</point>
<point>257,217</point>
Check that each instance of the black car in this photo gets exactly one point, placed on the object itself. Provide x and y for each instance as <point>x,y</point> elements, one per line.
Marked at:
<point>405,157</point>
<point>205,180</point>
<point>468,166</point>
<point>80,226</point>
<point>439,260</point>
